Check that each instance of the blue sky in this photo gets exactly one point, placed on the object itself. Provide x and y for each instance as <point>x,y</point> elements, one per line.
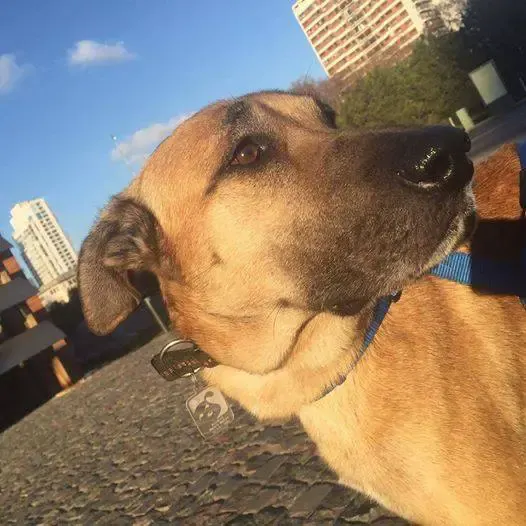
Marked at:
<point>72,73</point>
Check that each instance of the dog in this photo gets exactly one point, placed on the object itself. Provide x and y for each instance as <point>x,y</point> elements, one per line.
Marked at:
<point>273,234</point>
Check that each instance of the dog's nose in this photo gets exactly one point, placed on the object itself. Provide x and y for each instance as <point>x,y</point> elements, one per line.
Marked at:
<point>436,156</point>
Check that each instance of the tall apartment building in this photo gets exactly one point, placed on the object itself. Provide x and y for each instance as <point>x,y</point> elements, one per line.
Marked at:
<point>349,36</point>
<point>45,248</point>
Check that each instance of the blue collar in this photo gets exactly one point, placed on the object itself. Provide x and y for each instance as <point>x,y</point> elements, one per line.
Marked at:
<point>493,276</point>
<point>497,277</point>
<point>380,311</point>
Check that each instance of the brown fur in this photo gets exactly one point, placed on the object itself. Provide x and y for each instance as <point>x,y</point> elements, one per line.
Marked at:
<point>497,185</point>
<point>500,234</point>
<point>431,422</point>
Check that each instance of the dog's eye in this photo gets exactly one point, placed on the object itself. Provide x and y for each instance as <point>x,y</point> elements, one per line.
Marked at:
<point>247,152</point>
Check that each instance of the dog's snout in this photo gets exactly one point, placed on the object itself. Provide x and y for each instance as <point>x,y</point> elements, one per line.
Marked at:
<point>436,156</point>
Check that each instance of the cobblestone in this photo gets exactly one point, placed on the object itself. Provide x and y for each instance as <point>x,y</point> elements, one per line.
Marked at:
<point>120,449</point>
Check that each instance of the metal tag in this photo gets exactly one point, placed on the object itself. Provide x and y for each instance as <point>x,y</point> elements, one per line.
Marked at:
<point>180,359</point>
<point>210,411</point>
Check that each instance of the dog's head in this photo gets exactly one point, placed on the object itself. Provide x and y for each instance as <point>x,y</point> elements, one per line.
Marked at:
<point>257,214</point>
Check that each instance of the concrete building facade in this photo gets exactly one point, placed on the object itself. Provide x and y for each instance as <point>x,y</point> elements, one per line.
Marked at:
<point>59,289</point>
<point>45,248</point>
<point>351,36</point>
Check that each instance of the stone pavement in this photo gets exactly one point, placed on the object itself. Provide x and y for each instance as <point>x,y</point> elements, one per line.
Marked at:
<point>121,449</point>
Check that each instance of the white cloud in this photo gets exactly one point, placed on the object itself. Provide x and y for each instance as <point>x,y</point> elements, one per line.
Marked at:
<point>10,72</point>
<point>137,147</point>
<point>90,52</point>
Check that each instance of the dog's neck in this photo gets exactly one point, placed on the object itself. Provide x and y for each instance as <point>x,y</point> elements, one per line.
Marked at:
<point>325,352</point>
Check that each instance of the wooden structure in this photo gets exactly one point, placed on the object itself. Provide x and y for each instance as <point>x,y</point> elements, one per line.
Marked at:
<point>36,360</point>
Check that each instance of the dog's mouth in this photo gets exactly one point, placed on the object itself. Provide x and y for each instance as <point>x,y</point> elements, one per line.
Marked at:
<point>470,221</point>
<point>432,214</point>
<point>459,177</point>
<point>461,168</point>
<point>460,230</point>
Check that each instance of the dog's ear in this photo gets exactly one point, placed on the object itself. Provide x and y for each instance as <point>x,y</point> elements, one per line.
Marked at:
<point>125,239</point>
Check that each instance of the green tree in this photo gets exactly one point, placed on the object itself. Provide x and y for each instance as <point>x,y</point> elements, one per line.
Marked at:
<point>426,88</point>
<point>328,90</point>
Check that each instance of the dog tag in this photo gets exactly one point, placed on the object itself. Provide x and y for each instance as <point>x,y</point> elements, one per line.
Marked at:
<point>208,408</point>
<point>210,411</point>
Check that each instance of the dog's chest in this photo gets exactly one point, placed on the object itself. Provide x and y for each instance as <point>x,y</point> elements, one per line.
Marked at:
<point>366,453</point>
<point>336,425</point>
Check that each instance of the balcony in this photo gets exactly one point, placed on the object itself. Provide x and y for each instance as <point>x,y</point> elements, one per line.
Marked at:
<point>14,292</point>
<point>27,344</point>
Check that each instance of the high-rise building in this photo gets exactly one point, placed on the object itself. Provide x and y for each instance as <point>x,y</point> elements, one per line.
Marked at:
<point>45,248</point>
<point>351,36</point>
